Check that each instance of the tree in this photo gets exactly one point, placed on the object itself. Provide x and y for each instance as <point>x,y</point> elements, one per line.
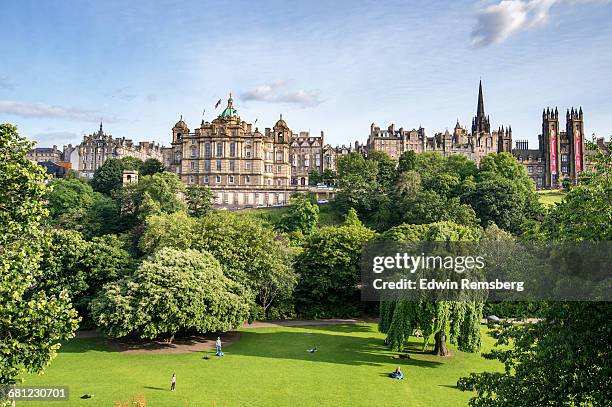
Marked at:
<point>386,169</point>
<point>131,163</point>
<point>407,161</point>
<point>352,219</point>
<point>249,251</point>
<point>314,177</point>
<point>428,207</point>
<point>32,322</point>
<point>65,195</point>
<point>173,230</point>
<point>108,177</point>
<point>303,215</point>
<point>499,201</point>
<point>151,166</point>
<point>199,199</point>
<point>172,291</point>
<point>400,318</point>
<point>358,187</point>
<point>329,272</point>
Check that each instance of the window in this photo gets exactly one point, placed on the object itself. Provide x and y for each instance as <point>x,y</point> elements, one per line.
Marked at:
<point>232,149</point>
<point>247,165</point>
<point>219,149</point>
<point>218,165</point>
<point>540,169</point>
<point>279,169</point>
<point>530,169</point>
<point>207,150</point>
<point>206,179</point>
<point>232,165</point>
<point>248,153</point>
<point>177,156</point>
<point>247,179</point>
<point>266,155</point>
<point>269,182</point>
<point>230,179</point>
<point>207,165</point>
<point>279,156</point>
<point>192,165</point>
<point>218,179</point>
<point>540,183</point>
<point>191,179</point>
<point>268,168</point>
<point>564,158</point>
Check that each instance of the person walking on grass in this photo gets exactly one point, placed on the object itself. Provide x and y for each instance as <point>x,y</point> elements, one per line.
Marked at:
<point>218,345</point>
<point>173,382</point>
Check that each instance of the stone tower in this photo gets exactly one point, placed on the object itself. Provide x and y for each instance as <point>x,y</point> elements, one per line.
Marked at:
<point>551,141</point>
<point>574,129</point>
<point>480,123</point>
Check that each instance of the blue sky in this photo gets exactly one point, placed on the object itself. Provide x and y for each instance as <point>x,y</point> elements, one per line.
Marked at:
<point>335,66</point>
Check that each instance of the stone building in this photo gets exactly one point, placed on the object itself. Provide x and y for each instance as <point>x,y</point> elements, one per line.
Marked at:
<point>45,154</point>
<point>98,147</point>
<point>560,154</point>
<point>475,145</point>
<point>241,165</point>
<point>306,153</point>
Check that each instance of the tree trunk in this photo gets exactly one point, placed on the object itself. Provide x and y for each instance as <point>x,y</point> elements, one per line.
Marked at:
<point>440,349</point>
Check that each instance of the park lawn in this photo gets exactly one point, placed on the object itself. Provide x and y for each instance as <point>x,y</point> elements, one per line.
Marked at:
<point>550,198</point>
<point>267,367</point>
<point>327,216</point>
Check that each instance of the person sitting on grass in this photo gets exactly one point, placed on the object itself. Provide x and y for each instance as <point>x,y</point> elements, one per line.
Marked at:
<point>397,374</point>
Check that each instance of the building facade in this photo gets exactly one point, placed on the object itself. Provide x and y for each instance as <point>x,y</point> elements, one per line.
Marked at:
<point>98,147</point>
<point>241,165</point>
<point>475,145</point>
<point>43,154</point>
<point>306,154</point>
<point>560,154</point>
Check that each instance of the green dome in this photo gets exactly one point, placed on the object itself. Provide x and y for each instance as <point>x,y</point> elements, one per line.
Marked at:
<point>229,111</point>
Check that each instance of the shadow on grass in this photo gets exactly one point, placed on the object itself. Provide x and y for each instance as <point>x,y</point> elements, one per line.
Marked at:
<point>337,349</point>
<point>155,388</point>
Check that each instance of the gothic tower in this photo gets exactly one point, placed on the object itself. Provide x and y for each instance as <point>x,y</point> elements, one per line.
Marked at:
<point>574,129</point>
<point>551,143</point>
<point>480,123</point>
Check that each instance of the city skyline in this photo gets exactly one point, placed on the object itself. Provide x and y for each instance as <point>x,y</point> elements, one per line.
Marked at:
<point>336,69</point>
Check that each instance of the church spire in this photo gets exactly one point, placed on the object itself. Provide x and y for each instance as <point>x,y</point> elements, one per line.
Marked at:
<point>480,109</point>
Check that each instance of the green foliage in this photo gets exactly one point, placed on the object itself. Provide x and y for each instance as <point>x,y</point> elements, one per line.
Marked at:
<point>66,195</point>
<point>386,165</point>
<point>329,272</point>
<point>172,291</point>
<point>565,357</point>
<point>433,318</point>
<point>429,207</point>
<point>173,230</point>
<point>249,252</point>
<point>131,163</point>
<point>303,215</point>
<point>108,177</point>
<point>407,161</point>
<point>314,177</point>
<point>32,321</point>
<point>153,195</point>
<point>199,199</point>
<point>151,166</point>
<point>352,219</point>
<point>357,183</point>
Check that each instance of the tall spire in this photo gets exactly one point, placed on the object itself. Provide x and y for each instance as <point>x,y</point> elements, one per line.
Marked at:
<point>480,109</point>
<point>101,126</point>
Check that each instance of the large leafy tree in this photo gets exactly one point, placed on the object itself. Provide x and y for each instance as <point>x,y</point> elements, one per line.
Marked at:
<point>108,177</point>
<point>167,230</point>
<point>358,187</point>
<point>68,194</point>
<point>199,199</point>
<point>303,215</point>
<point>398,319</point>
<point>173,291</point>
<point>151,166</point>
<point>32,321</point>
<point>250,253</point>
<point>329,271</point>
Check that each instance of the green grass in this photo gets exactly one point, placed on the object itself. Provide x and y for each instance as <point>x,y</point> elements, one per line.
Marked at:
<point>273,216</point>
<point>549,198</point>
<point>267,367</point>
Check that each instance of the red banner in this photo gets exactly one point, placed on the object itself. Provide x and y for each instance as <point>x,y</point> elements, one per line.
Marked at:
<point>577,150</point>
<point>553,151</point>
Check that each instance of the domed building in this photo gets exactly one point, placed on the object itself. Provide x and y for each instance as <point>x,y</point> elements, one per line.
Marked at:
<point>241,165</point>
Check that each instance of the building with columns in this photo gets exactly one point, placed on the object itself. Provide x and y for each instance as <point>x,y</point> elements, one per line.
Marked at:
<point>241,165</point>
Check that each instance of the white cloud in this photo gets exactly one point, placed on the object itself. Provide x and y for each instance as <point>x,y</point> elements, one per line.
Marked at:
<point>496,22</point>
<point>280,92</point>
<point>39,110</point>
<point>58,138</point>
